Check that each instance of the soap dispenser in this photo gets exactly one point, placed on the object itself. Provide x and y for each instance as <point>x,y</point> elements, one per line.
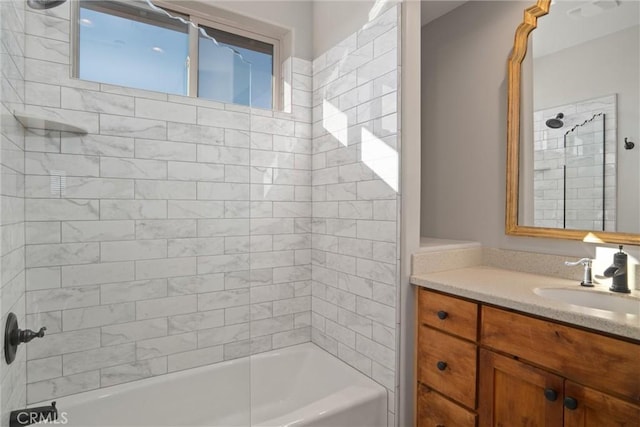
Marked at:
<point>618,271</point>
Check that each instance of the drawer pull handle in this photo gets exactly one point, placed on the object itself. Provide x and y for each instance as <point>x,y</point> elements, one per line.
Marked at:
<point>441,365</point>
<point>570,403</point>
<point>550,394</point>
<point>442,314</point>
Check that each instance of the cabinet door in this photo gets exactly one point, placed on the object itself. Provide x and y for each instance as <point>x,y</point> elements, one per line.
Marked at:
<point>513,394</point>
<point>596,409</point>
<point>436,411</point>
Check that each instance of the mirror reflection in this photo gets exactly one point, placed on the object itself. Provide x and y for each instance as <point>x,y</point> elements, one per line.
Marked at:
<point>580,93</point>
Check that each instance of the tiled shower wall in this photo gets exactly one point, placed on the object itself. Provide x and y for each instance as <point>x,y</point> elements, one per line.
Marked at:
<point>12,272</point>
<point>583,158</point>
<point>356,200</point>
<point>176,233</point>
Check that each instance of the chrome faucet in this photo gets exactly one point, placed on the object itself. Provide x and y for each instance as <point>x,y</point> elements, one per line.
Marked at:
<point>618,271</point>
<point>586,278</point>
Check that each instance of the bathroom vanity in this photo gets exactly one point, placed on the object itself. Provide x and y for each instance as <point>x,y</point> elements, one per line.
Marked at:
<point>502,356</point>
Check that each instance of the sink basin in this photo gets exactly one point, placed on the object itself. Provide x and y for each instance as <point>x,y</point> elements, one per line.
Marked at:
<point>602,300</point>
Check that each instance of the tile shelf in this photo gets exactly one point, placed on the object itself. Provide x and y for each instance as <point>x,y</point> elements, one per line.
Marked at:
<point>37,121</point>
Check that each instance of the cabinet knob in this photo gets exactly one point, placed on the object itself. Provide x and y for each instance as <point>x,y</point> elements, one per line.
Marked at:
<point>570,403</point>
<point>442,314</point>
<point>441,365</point>
<point>550,394</point>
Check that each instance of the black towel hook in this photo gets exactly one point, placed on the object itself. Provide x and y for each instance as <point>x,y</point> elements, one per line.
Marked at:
<point>628,144</point>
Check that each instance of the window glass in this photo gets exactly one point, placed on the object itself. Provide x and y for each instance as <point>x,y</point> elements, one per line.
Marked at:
<point>132,46</point>
<point>228,77</point>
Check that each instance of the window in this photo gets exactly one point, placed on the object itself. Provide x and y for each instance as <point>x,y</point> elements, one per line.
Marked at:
<point>130,44</point>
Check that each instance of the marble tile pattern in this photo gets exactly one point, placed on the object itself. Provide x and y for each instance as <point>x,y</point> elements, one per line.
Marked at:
<point>355,227</point>
<point>12,192</point>
<point>586,208</point>
<point>175,234</point>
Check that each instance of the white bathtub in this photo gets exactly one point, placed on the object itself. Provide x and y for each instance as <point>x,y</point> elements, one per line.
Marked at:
<point>296,386</point>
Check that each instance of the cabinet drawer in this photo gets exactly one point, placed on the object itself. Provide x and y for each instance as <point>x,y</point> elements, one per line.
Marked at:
<point>605,363</point>
<point>436,411</point>
<point>448,365</point>
<point>449,314</point>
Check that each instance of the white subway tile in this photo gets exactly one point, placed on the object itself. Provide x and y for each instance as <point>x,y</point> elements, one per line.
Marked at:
<point>62,386</point>
<point>271,326</point>
<point>195,209</point>
<point>102,357</point>
<point>86,100</point>
<point>133,371</point>
<point>375,311</point>
<point>195,133</point>
<point>94,274</point>
<point>223,191</point>
<point>173,267</point>
<point>61,254</point>
<point>185,171</point>
<point>36,232</point>
<point>168,306</point>
<point>223,263</point>
<point>98,188</point>
<point>97,145</point>
<point>134,331</point>
<point>46,49</point>
<point>132,168</point>
<point>160,150</point>
<point>196,321</point>
<point>223,155</point>
<point>223,335</point>
<point>132,209</point>
<point>93,231</point>
<point>223,227</point>
<point>170,190</point>
<point>67,164</point>
<point>44,369</point>
<point>132,127</point>
<point>196,284</point>
<point>195,247</point>
<point>160,110</point>
<point>223,119</point>
<point>165,229</point>
<point>64,342</point>
<point>111,293</point>
<point>132,250</point>
<point>195,358</point>
<point>156,347</point>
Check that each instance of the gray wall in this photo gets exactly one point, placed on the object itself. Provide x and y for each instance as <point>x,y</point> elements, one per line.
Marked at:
<point>606,66</point>
<point>464,128</point>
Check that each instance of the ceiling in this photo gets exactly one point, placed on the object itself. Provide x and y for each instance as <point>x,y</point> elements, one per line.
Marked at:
<point>570,23</point>
<point>433,9</point>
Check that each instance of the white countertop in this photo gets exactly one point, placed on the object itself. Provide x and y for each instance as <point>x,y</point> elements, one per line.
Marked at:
<point>512,289</point>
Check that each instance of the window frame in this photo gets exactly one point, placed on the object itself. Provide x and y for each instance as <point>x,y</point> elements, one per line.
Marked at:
<point>240,27</point>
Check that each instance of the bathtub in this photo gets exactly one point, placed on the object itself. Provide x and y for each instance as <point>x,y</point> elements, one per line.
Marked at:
<point>297,386</point>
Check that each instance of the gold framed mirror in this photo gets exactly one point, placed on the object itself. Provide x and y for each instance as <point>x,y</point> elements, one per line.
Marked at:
<point>514,224</point>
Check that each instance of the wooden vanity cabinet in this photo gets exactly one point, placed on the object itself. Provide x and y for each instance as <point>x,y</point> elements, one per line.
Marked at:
<point>447,355</point>
<point>530,372</point>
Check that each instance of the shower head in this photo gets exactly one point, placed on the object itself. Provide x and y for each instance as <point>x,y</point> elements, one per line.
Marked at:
<point>44,4</point>
<point>556,122</point>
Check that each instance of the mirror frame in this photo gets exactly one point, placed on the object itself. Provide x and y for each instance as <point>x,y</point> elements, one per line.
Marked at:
<point>514,78</point>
